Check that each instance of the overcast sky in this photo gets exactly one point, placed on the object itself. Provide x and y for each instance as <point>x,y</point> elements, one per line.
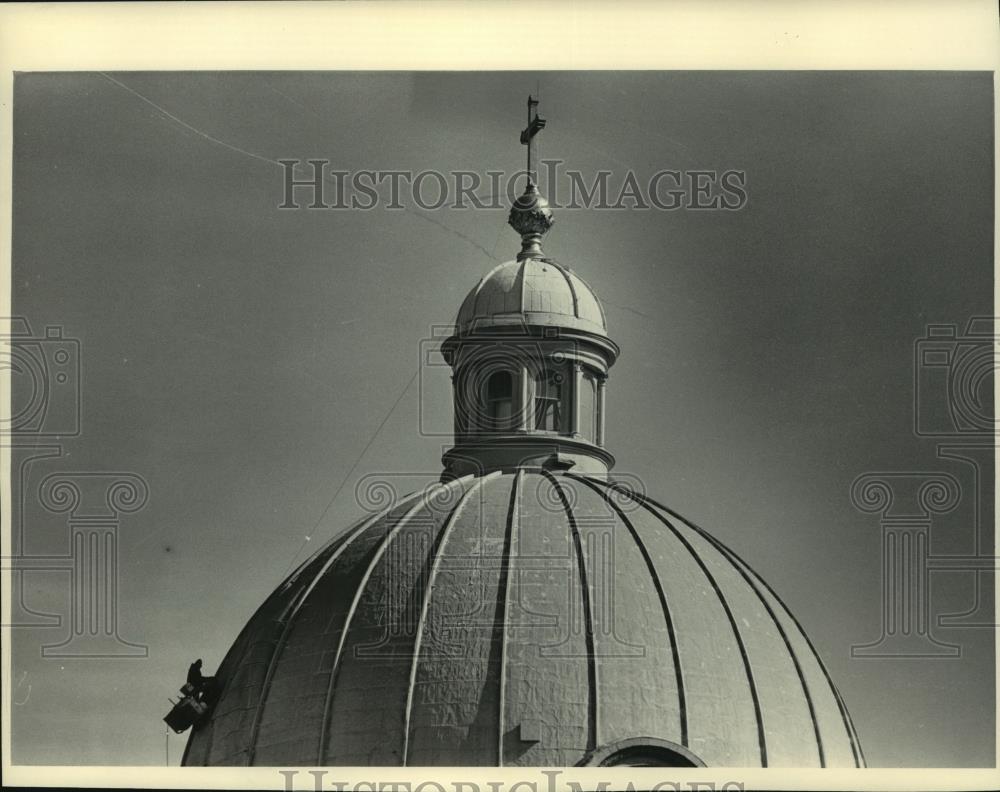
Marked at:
<point>241,358</point>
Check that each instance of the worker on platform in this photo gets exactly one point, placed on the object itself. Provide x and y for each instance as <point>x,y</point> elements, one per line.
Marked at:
<point>203,687</point>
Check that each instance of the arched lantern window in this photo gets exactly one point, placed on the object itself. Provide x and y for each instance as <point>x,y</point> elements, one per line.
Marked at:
<point>500,399</point>
<point>551,400</point>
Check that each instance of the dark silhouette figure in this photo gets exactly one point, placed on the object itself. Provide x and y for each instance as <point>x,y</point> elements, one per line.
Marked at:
<point>194,677</point>
<point>203,688</point>
<point>200,693</point>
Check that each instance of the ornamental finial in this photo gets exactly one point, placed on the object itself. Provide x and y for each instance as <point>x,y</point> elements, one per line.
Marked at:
<point>530,215</point>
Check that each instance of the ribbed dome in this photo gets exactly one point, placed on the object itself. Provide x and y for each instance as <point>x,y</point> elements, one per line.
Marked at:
<point>535,291</point>
<point>524,618</point>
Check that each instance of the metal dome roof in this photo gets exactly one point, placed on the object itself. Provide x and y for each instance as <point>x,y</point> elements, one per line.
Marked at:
<point>534,291</point>
<point>523,618</point>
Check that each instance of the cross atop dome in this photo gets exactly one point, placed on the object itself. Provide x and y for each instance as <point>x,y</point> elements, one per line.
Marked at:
<point>535,125</point>
<point>530,215</point>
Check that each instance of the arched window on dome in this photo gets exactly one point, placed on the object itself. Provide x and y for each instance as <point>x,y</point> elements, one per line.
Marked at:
<point>642,752</point>
<point>500,399</point>
<point>552,400</point>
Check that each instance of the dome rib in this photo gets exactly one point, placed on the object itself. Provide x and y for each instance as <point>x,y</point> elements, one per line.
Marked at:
<point>727,553</point>
<point>289,618</point>
<point>661,595</point>
<point>588,616</point>
<point>333,545</point>
<point>239,643</point>
<point>600,305</point>
<point>845,717</point>
<point>479,287</point>
<point>437,553</point>
<point>725,606</point>
<point>745,569</point>
<point>859,752</point>
<point>742,569</point>
<point>569,282</point>
<point>784,637</point>
<point>520,284</point>
<point>332,548</point>
<point>476,307</point>
<point>272,663</point>
<point>859,758</point>
<point>502,596</point>
<point>345,630</point>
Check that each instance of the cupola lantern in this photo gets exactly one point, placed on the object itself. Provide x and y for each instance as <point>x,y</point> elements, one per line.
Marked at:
<point>530,356</point>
